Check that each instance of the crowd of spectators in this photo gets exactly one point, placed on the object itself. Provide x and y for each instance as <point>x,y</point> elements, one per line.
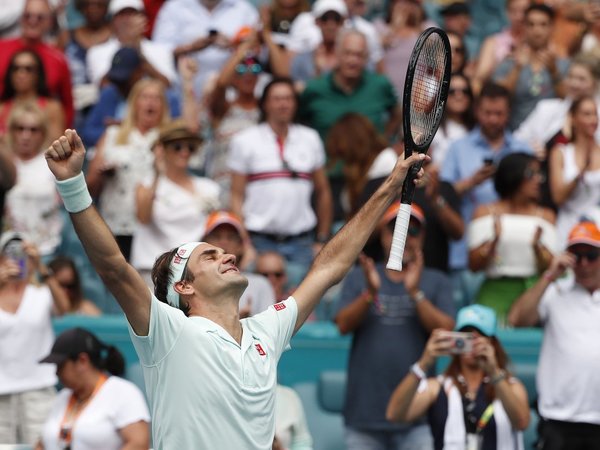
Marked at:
<point>262,128</point>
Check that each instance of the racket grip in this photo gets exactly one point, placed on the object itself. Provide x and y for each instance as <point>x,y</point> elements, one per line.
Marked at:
<point>399,239</point>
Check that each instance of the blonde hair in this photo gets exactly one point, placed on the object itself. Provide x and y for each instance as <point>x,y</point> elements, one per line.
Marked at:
<point>129,122</point>
<point>27,107</point>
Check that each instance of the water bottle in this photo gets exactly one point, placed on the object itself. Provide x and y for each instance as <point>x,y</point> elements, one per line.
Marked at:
<point>14,250</point>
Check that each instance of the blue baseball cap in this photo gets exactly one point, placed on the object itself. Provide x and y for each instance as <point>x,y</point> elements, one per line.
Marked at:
<point>125,62</point>
<point>477,316</point>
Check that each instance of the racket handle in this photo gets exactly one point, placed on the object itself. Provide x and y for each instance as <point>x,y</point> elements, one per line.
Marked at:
<point>399,239</point>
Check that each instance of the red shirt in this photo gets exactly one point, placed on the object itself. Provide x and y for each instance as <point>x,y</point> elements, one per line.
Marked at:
<point>58,76</point>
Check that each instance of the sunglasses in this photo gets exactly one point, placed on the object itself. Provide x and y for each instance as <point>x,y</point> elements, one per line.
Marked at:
<point>464,91</point>
<point>331,16</point>
<point>590,255</point>
<point>24,68</point>
<point>23,128</point>
<point>179,146</point>
<point>39,17</point>
<point>275,274</point>
<point>530,173</point>
<point>254,69</point>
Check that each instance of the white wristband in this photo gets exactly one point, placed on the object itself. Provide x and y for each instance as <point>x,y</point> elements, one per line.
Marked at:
<point>418,372</point>
<point>74,193</point>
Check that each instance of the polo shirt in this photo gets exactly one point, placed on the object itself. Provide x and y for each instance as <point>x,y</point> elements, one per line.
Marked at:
<point>322,103</point>
<point>205,390</point>
<point>465,157</point>
<point>56,69</point>
<point>568,384</point>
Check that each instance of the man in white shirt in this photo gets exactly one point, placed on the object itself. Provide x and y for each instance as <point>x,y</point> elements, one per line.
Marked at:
<point>569,310</point>
<point>129,23</point>
<point>210,376</point>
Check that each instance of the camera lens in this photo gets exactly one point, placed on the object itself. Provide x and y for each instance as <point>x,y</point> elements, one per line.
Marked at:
<point>459,343</point>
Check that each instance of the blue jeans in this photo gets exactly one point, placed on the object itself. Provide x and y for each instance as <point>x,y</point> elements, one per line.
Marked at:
<point>417,437</point>
<point>295,250</point>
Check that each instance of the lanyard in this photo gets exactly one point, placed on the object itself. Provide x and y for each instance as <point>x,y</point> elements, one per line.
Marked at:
<point>485,418</point>
<point>72,413</point>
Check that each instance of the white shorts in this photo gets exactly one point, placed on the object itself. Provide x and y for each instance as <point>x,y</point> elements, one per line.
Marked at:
<point>22,415</point>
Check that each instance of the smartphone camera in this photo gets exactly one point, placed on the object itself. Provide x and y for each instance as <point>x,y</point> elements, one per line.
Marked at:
<point>14,251</point>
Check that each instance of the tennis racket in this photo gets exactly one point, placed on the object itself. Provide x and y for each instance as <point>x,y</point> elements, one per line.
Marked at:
<point>423,102</point>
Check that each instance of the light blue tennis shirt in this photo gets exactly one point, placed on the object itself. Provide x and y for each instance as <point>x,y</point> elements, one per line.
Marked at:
<point>205,390</point>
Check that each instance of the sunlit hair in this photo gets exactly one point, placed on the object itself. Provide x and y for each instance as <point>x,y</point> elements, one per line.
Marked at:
<point>453,370</point>
<point>23,109</point>
<point>355,140</point>
<point>590,60</point>
<point>41,88</point>
<point>574,109</point>
<point>130,119</point>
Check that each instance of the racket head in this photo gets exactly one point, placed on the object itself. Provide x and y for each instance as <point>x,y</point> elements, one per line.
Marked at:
<point>426,89</point>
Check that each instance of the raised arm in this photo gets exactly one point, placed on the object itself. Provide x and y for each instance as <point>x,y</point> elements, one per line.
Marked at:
<point>336,258</point>
<point>65,159</point>
<point>561,190</point>
<point>524,311</point>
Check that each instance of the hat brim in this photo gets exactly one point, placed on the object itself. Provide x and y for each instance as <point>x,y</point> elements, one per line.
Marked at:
<point>182,135</point>
<point>55,358</point>
<point>232,223</point>
<point>584,241</point>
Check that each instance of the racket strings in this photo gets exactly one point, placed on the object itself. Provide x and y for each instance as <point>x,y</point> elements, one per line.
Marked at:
<point>426,92</point>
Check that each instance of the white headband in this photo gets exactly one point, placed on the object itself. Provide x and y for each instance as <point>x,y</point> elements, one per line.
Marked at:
<point>177,266</point>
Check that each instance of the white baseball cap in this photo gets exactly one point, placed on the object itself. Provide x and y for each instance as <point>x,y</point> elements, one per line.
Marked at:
<point>322,6</point>
<point>119,5</point>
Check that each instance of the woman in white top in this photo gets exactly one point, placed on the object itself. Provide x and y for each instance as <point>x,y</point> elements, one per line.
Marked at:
<point>26,335</point>
<point>575,168</point>
<point>512,239</point>
<point>171,204</point>
<point>458,118</point>
<point>124,157</point>
<point>94,411</point>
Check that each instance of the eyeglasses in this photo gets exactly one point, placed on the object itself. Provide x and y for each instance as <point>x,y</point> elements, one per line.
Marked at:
<point>23,128</point>
<point>464,91</point>
<point>254,69</point>
<point>275,274</point>
<point>24,67</point>
<point>530,173</point>
<point>331,15</point>
<point>39,17</point>
<point>179,146</point>
<point>590,255</point>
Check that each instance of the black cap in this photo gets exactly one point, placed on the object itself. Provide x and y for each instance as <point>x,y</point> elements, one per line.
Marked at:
<point>70,343</point>
<point>455,9</point>
<point>125,62</point>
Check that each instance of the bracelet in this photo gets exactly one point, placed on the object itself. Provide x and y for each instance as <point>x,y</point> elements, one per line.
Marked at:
<point>498,378</point>
<point>418,297</point>
<point>418,372</point>
<point>548,276</point>
<point>74,193</point>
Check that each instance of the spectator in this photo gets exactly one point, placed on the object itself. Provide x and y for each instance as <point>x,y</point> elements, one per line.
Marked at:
<point>381,305</point>
<point>533,72</point>
<point>459,61</point>
<point>477,403</point>
<point>456,19</point>
<point>26,308</point>
<point>123,158</point>
<point>567,309</point>
<point>95,30</point>
<point>500,45</point>
<point>8,173</point>
<point>281,15</point>
<point>458,119</point>
<point>204,29</point>
<point>25,81</point>
<point>273,267</point>
<point>291,429</point>
<point>128,25</point>
<point>225,230</point>
<point>171,204</point>
<point>398,31</point>
<point>329,16</point>
<point>512,239</point>
<point>465,167</point>
<point>9,20</point>
<point>575,168</point>
<point>96,409</point>
<point>32,206</point>
<point>35,22</point>
<point>276,166</point>
<point>66,274</point>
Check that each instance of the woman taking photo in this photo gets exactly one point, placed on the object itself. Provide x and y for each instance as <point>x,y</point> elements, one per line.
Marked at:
<point>96,410</point>
<point>575,168</point>
<point>475,388</point>
<point>25,82</point>
<point>171,205</point>
<point>123,158</point>
<point>512,239</point>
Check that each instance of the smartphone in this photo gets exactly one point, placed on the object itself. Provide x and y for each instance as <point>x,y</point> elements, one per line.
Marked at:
<point>14,250</point>
<point>461,342</point>
<point>212,32</point>
<point>488,161</point>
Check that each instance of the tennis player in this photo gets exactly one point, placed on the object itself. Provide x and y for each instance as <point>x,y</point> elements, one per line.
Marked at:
<point>210,377</point>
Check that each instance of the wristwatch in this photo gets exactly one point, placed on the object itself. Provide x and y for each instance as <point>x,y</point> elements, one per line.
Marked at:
<point>418,297</point>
